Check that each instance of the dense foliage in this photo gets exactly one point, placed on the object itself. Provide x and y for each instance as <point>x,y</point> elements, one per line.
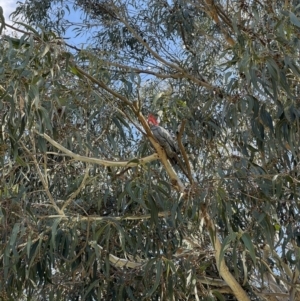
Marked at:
<point>89,211</point>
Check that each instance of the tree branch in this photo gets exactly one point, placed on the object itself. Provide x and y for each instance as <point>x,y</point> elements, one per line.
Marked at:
<point>130,163</point>
<point>212,12</point>
<point>104,86</point>
<point>163,61</point>
<point>76,192</point>
<point>105,218</point>
<point>118,262</point>
<point>237,290</point>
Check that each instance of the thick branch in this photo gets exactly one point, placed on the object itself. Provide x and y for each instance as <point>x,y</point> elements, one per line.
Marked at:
<point>237,290</point>
<point>129,163</point>
<point>105,218</point>
<point>213,13</point>
<point>118,262</point>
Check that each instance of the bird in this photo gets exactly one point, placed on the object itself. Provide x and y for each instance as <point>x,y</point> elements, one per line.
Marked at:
<point>164,138</point>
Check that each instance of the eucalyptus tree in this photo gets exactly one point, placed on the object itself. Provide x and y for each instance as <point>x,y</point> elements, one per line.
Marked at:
<point>91,208</point>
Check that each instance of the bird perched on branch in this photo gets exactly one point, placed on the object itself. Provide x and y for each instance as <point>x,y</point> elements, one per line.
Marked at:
<point>164,139</point>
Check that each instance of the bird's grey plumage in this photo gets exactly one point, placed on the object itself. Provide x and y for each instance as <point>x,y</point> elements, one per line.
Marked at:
<point>164,139</point>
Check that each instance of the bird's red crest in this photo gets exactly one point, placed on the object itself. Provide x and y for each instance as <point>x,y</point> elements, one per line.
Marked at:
<point>152,120</point>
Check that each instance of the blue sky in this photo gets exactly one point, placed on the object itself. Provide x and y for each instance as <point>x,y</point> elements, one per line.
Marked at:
<point>10,5</point>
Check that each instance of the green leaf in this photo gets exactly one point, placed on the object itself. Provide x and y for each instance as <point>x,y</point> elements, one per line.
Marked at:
<point>294,20</point>
<point>20,161</point>
<point>158,272</point>
<point>258,129</point>
<point>156,97</point>
<point>73,69</point>
<point>121,235</point>
<point>254,81</point>
<point>46,50</point>
<point>249,245</point>
<point>117,123</point>
<point>2,20</point>
<point>219,296</point>
<point>28,27</point>
<point>122,120</point>
<point>225,245</point>
<point>54,231</point>
<point>266,118</point>
<point>89,289</point>
<point>153,209</point>
<point>14,234</point>
<point>273,68</point>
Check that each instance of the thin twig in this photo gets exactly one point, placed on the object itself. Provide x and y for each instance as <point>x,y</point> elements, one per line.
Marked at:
<point>104,86</point>
<point>162,60</point>
<point>76,192</point>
